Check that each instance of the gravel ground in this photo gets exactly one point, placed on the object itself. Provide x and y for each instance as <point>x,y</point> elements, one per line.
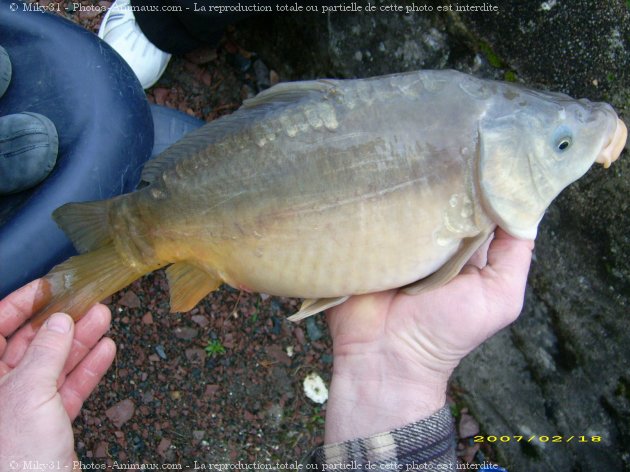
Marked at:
<point>222,383</point>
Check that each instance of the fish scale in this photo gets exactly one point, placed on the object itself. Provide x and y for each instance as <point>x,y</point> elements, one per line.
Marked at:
<point>326,189</point>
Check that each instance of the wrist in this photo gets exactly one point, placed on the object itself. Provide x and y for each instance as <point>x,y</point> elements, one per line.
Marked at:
<point>374,394</point>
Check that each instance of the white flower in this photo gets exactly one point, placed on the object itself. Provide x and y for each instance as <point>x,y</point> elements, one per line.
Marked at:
<point>315,389</point>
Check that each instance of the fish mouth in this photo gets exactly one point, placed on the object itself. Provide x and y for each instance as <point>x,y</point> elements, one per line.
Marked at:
<point>613,149</point>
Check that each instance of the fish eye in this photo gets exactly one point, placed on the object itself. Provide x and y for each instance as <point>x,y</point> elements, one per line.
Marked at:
<point>561,139</point>
<point>563,143</point>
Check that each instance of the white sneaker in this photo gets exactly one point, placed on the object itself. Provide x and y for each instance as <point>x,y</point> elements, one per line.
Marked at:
<point>120,30</point>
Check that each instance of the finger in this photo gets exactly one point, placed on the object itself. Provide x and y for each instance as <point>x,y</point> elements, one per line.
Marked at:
<point>88,331</point>
<point>505,276</point>
<point>3,345</point>
<point>85,377</point>
<point>46,355</point>
<point>508,255</point>
<point>17,345</point>
<point>20,305</point>
<point>4,369</point>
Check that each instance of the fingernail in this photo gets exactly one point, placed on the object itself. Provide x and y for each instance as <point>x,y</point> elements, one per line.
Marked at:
<point>59,322</point>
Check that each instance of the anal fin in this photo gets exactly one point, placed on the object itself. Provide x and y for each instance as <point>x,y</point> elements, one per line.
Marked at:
<point>188,285</point>
<point>449,270</point>
<point>312,306</point>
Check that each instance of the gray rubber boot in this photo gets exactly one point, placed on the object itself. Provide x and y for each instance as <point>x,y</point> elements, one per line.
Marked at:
<point>28,151</point>
<point>5,71</point>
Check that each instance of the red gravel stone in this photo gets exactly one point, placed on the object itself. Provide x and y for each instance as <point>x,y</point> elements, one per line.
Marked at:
<point>211,390</point>
<point>130,300</point>
<point>201,320</point>
<point>160,95</point>
<point>196,355</point>
<point>186,333</point>
<point>100,450</point>
<point>164,445</point>
<point>121,412</point>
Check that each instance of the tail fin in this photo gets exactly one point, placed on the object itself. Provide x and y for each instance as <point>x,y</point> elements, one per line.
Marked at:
<point>81,281</point>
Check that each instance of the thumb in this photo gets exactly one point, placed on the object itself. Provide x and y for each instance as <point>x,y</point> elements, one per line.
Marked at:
<point>46,355</point>
<point>509,259</point>
<point>505,276</point>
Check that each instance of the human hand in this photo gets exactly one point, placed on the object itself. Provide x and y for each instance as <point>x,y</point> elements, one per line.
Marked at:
<point>45,376</point>
<point>394,353</point>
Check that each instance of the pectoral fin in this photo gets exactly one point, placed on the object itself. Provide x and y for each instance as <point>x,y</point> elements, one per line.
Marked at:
<point>313,306</point>
<point>188,285</point>
<point>449,270</point>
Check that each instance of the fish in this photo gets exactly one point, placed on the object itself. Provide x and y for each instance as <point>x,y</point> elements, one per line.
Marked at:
<point>328,188</point>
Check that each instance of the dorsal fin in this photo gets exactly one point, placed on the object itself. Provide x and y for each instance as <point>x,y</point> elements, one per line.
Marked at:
<point>252,110</point>
<point>191,144</point>
<point>289,92</point>
<point>86,224</point>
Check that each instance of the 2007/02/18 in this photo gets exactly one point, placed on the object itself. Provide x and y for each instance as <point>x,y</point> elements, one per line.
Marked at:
<point>539,438</point>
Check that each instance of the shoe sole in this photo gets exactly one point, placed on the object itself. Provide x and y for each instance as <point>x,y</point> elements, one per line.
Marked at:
<point>5,70</point>
<point>35,157</point>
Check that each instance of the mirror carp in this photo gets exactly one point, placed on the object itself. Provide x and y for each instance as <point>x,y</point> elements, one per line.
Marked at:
<point>328,188</point>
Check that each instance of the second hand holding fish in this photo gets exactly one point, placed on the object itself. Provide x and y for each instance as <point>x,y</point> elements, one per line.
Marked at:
<point>394,353</point>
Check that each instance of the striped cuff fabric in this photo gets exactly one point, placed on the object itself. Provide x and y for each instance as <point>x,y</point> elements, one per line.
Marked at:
<point>427,444</point>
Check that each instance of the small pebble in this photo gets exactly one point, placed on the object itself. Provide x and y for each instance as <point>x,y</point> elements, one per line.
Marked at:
<point>274,78</point>
<point>130,300</point>
<point>468,426</point>
<point>241,62</point>
<point>277,325</point>
<point>121,412</point>
<point>262,75</point>
<point>165,443</point>
<point>201,320</point>
<point>276,353</point>
<point>315,388</point>
<point>312,330</point>
<point>100,450</point>
<point>160,94</point>
<point>160,351</point>
<point>211,390</point>
<point>247,92</point>
<point>299,334</point>
<point>196,355</point>
<point>202,55</point>
<point>185,332</point>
